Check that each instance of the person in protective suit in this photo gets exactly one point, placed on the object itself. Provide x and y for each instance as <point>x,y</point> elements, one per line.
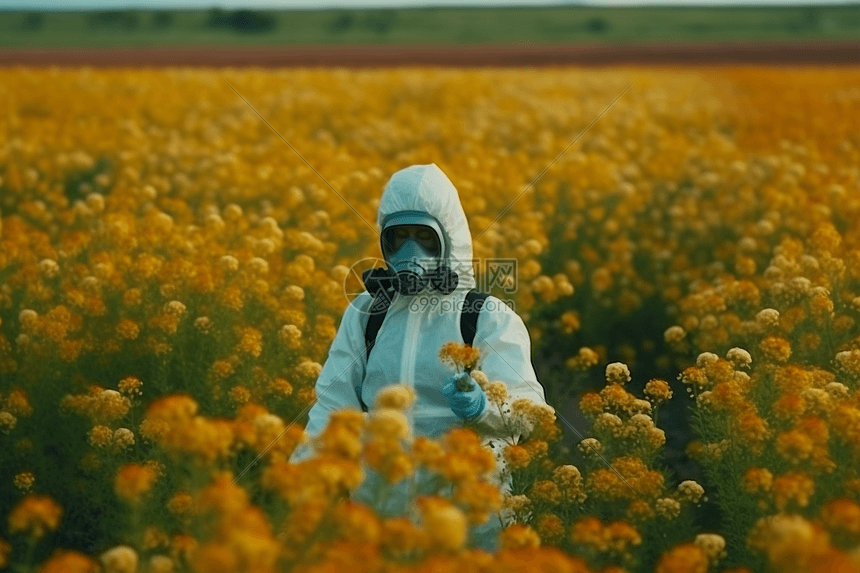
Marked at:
<point>424,234</point>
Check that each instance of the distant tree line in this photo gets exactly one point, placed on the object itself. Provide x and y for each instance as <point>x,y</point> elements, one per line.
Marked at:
<point>32,22</point>
<point>127,20</point>
<point>380,21</point>
<point>241,20</point>
<point>803,20</point>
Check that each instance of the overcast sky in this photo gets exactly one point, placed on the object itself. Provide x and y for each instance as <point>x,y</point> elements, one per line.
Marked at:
<point>144,4</point>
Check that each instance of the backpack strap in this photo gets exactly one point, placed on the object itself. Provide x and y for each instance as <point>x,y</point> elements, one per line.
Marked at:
<point>469,315</point>
<point>374,323</point>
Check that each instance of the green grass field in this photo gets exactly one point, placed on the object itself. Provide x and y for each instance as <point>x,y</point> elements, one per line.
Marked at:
<point>427,26</point>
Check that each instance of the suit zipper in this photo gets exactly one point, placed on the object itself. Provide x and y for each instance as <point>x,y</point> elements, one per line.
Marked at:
<point>407,364</point>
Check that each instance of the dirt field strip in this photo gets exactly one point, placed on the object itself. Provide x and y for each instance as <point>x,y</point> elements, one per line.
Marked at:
<point>841,53</point>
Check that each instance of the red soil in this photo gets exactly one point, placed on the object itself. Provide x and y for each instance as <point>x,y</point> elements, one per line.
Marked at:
<point>522,54</point>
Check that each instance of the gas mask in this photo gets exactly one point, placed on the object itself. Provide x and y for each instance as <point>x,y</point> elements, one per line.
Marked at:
<point>416,252</point>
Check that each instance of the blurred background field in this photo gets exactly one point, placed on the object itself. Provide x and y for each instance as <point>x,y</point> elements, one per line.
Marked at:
<point>430,25</point>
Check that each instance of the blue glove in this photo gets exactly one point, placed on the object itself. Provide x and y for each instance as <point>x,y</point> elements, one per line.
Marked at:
<point>466,404</point>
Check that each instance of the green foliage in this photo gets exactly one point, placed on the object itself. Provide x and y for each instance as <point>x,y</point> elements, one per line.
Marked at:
<point>32,22</point>
<point>342,22</point>
<point>241,20</point>
<point>217,26</point>
<point>113,20</point>
<point>597,25</point>
<point>162,19</point>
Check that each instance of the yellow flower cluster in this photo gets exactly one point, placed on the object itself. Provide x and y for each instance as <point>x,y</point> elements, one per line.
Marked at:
<point>592,537</point>
<point>155,236</point>
<point>622,418</point>
<point>35,515</point>
<point>792,543</point>
<point>460,356</point>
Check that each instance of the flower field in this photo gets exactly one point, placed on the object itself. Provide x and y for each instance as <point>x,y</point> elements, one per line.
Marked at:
<point>172,275</point>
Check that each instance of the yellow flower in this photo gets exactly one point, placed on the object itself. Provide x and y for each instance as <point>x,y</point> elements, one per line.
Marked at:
<point>401,537</point>
<point>622,536</point>
<point>639,510</point>
<point>133,481</point>
<point>690,491</point>
<point>357,523</point>
<point>617,373</point>
<point>308,371</point>
<point>790,542</point>
<point>794,446</point>
<point>251,341</point>
<point>18,403</point>
<point>130,385</point>
<point>517,457</point>
<point>127,329</point>
<point>24,480</point>
<point>181,504</point>
<point>585,359</point>
<point>110,405</point>
<point>591,404</point>
<point>239,394</point>
<point>427,452</point>
<point>519,536</point>
<point>757,480</point>
<point>479,499</point>
<point>712,544</point>
<point>668,507</point>
<point>790,406</point>
<point>444,525</point>
<point>848,362</point>
<point>694,377</point>
<point>122,438</point>
<point>5,550</point>
<point>221,369</point>
<point>537,448</point>
<point>658,391</point>
<point>590,447</point>
<point>204,324</point>
<point>497,393</point>
<point>459,355</point>
<point>841,516</point>
<point>589,530</point>
<point>550,528</point>
<point>154,537</point>
<point>388,423</point>
<point>35,515</point>
<point>7,422</point>
<point>545,491</point>
<point>616,397</point>
<point>398,397</point>
<point>792,488</point>
<point>62,561</point>
<point>776,348</point>
<point>100,436</point>
<point>674,334</point>
<point>120,559</point>
<point>480,378</point>
<point>161,564</point>
<point>752,427</point>
<point>569,480</point>
<point>685,558</point>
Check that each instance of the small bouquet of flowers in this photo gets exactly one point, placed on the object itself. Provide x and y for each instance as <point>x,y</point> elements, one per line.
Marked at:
<point>463,358</point>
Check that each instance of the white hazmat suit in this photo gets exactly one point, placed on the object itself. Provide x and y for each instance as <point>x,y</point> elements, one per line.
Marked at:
<point>408,343</point>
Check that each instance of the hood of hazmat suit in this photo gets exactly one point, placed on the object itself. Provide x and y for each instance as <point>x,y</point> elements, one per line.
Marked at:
<point>416,326</point>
